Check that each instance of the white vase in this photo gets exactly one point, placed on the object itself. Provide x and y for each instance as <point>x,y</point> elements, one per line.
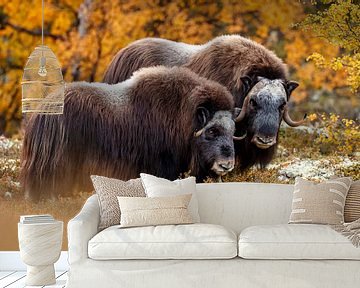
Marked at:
<point>40,247</point>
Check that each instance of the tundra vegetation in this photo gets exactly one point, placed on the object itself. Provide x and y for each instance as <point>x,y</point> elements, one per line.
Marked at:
<point>319,40</point>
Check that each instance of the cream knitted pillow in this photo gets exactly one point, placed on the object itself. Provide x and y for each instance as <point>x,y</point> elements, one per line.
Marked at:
<point>159,187</point>
<point>107,190</point>
<point>139,211</point>
<point>320,203</point>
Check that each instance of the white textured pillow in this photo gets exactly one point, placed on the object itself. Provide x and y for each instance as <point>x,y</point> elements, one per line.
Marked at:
<point>143,211</point>
<point>160,187</point>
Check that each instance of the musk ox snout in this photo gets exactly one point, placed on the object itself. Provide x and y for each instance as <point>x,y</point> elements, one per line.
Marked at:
<point>215,142</point>
<point>263,107</point>
<point>222,167</point>
<point>263,142</point>
<point>265,131</point>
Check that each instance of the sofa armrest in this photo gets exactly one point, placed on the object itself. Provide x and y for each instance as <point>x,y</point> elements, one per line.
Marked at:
<point>82,228</point>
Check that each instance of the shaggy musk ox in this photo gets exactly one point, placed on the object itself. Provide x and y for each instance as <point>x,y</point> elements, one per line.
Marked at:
<point>256,77</point>
<point>162,121</point>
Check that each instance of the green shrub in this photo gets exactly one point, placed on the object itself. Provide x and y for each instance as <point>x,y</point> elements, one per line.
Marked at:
<point>336,136</point>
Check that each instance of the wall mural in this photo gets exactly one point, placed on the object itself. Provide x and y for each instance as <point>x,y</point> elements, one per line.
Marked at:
<point>226,91</point>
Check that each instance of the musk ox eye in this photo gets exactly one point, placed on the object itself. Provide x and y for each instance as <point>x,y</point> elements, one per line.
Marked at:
<point>282,106</point>
<point>212,132</point>
<point>253,103</point>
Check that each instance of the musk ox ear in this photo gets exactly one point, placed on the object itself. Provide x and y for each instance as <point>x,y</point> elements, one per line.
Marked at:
<point>202,116</point>
<point>290,86</point>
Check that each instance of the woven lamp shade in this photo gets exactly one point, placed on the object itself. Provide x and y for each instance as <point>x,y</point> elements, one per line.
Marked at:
<point>42,84</point>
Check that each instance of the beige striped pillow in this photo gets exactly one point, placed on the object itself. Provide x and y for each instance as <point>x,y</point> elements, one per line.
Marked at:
<point>320,203</point>
<point>144,211</point>
<point>352,203</point>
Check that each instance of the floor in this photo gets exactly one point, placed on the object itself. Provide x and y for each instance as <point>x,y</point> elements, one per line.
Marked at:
<point>16,279</point>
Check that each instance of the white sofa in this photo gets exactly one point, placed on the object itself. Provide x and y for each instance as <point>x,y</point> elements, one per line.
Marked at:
<point>250,245</point>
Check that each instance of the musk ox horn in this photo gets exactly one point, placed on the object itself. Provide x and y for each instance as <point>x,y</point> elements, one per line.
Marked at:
<point>238,138</point>
<point>198,133</point>
<point>243,110</point>
<point>291,122</point>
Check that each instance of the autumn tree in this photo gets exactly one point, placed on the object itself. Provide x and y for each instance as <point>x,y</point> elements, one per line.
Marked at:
<point>339,24</point>
<point>86,34</point>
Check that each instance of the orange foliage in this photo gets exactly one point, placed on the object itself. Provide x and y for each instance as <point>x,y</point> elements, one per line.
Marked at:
<point>85,35</point>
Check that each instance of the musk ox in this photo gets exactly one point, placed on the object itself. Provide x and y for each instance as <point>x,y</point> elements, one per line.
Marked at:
<point>256,77</point>
<point>162,121</point>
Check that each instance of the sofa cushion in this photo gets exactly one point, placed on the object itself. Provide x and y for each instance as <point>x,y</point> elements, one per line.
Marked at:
<point>295,241</point>
<point>192,241</point>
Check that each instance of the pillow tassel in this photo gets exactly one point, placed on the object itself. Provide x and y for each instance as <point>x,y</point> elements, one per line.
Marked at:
<point>350,231</point>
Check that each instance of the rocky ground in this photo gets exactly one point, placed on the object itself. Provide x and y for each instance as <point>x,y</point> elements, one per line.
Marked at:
<point>316,153</point>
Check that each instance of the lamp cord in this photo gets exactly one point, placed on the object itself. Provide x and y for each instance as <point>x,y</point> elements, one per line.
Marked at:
<point>42,69</point>
<point>42,24</point>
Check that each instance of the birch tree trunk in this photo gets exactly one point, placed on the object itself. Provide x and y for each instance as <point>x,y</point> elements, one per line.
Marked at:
<point>83,17</point>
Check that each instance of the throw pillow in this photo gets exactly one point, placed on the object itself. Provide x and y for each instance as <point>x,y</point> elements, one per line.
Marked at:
<point>159,187</point>
<point>352,203</point>
<point>107,190</point>
<point>320,203</point>
<point>140,211</point>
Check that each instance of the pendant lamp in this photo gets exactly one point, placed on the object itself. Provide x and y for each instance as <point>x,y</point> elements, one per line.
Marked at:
<point>42,83</point>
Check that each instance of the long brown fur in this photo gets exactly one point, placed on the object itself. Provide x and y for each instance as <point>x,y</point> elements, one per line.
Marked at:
<point>151,132</point>
<point>224,59</point>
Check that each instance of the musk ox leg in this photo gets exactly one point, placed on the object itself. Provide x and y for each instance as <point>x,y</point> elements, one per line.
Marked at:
<point>36,189</point>
<point>167,167</point>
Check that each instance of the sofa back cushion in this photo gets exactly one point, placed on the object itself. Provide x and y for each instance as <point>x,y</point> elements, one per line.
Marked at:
<point>239,205</point>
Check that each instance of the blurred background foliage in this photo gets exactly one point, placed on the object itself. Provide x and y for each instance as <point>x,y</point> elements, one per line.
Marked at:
<point>319,40</point>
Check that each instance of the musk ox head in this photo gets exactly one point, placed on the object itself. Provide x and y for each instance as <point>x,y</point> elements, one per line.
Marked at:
<point>264,107</point>
<point>214,141</point>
